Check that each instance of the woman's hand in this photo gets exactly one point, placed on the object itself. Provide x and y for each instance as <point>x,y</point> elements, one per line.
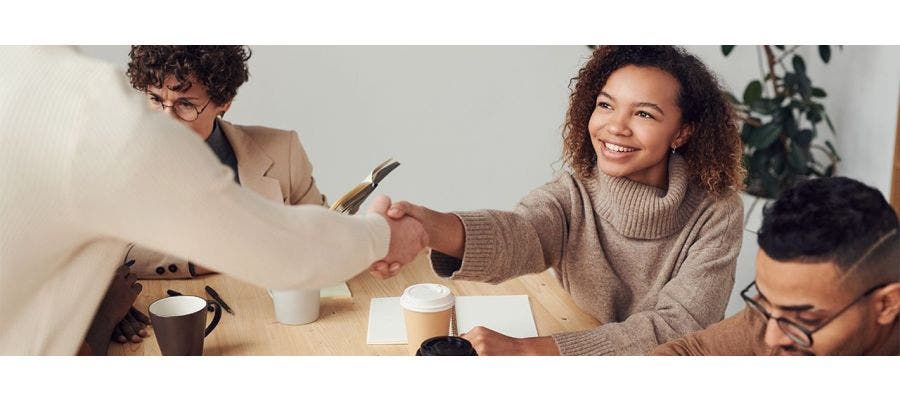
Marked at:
<point>490,343</point>
<point>445,230</point>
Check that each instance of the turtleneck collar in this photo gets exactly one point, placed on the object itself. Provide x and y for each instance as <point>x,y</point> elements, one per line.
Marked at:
<point>640,211</point>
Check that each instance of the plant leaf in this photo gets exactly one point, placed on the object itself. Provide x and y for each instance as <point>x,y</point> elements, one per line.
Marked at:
<point>765,106</point>
<point>818,92</point>
<point>799,65</point>
<point>770,184</point>
<point>803,138</point>
<point>726,49</point>
<point>825,53</point>
<point>753,92</point>
<point>805,86</point>
<point>813,116</point>
<point>830,125</point>
<point>746,132</point>
<point>797,159</point>
<point>765,135</point>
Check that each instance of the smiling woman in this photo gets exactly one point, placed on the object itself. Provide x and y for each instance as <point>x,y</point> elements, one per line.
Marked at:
<point>645,228</point>
<point>665,101</point>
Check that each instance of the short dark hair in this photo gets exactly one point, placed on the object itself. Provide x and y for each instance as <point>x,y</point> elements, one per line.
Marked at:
<point>833,219</point>
<point>221,69</point>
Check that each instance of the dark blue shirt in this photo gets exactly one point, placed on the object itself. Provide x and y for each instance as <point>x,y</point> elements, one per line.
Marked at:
<point>220,145</point>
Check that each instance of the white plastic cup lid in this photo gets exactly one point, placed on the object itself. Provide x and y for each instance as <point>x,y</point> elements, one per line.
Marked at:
<point>427,297</point>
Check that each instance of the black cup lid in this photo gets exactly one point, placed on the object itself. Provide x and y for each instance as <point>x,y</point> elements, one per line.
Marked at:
<point>446,346</point>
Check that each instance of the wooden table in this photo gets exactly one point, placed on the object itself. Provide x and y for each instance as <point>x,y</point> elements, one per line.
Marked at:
<point>342,324</point>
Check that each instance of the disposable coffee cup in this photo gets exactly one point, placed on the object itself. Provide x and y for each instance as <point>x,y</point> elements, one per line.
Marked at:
<point>295,306</point>
<point>426,310</point>
<point>446,346</point>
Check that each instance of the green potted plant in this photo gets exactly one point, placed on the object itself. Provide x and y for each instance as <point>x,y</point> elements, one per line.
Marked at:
<point>780,116</point>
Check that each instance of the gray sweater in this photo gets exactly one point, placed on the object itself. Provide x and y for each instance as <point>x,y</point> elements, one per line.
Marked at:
<point>651,265</point>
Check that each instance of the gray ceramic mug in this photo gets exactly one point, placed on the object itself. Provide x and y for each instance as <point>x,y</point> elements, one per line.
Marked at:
<point>178,323</point>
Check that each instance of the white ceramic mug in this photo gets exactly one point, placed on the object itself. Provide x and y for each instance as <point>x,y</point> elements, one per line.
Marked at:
<point>295,306</point>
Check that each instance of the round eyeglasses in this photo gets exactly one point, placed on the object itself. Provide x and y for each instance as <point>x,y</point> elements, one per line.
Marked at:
<point>184,110</point>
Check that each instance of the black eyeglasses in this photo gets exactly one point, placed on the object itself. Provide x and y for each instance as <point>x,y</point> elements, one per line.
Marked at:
<point>184,110</point>
<point>800,335</point>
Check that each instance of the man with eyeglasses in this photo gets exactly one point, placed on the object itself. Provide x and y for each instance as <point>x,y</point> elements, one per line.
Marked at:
<point>827,279</point>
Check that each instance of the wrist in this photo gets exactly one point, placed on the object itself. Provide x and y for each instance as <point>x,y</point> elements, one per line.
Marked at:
<point>538,346</point>
<point>449,238</point>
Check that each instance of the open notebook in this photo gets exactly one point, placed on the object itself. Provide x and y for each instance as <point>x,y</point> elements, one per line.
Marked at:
<point>509,315</point>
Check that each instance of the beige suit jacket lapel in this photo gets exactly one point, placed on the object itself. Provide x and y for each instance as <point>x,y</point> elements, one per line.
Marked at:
<point>253,163</point>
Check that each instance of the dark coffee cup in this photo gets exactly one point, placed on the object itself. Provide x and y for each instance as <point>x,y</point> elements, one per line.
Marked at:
<point>446,346</point>
<point>178,323</point>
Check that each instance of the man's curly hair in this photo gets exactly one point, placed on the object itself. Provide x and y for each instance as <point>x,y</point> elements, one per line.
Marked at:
<point>220,69</point>
<point>713,151</point>
<point>828,219</point>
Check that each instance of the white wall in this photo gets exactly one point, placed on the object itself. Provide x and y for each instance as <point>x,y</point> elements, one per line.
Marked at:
<point>473,127</point>
<point>479,126</point>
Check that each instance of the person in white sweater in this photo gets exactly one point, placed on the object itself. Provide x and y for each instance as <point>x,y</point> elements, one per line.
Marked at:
<point>83,161</point>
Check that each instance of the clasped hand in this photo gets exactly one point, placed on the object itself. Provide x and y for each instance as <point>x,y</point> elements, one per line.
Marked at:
<point>408,239</point>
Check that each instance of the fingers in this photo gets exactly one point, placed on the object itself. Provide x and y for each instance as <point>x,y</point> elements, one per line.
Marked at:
<point>399,209</point>
<point>118,336</point>
<point>141,317</point>
<point>383,270</point>
<point>380,204</point>
<point>130,278</point>
<point>136,326</point>
<point>128,331</point>
<point>379,270</point>
<point>478,337</point>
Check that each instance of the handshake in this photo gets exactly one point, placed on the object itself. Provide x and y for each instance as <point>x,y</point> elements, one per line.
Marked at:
<point>408,234</point>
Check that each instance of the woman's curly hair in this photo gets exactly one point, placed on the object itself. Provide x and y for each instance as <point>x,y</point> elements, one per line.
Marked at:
<point>713,151</point>
<point>220,69</point>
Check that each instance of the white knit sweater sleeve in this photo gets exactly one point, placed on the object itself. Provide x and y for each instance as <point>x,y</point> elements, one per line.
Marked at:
<point>142,177</point>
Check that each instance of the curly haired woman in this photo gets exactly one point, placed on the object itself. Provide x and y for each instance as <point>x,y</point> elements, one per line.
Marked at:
<point>642,230</point>
<point>196,85</point>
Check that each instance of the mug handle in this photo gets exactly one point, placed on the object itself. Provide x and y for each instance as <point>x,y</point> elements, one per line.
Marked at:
<point>216,317</point>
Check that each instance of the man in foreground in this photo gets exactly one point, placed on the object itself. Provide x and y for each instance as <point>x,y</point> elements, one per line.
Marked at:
<point>827,279</point>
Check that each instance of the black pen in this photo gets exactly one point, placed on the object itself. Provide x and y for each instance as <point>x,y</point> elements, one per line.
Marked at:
<point>218,299</point>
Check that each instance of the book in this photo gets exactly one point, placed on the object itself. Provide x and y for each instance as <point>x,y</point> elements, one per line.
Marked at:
<point>350,202</point>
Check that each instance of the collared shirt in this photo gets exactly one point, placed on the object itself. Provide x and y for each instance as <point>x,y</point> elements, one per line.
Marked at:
<point>220,145</point>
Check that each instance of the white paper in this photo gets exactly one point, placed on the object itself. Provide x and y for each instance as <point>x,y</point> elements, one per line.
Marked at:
<point>341,290</point>
<point>509,315</point>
